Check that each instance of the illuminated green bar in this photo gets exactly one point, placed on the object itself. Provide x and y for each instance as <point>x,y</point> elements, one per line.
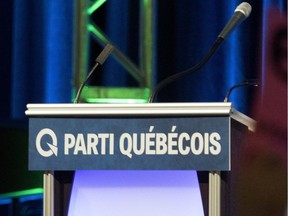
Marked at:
<point>95,6</point>
<point>98,33</point>
<point>17,194</point>
<point>115,100</point>
<point>147,40</point>
<point>96,94</point>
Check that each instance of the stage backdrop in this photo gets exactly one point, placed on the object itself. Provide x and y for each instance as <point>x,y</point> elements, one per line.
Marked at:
<point>36,55</point>
<point>36,49</point>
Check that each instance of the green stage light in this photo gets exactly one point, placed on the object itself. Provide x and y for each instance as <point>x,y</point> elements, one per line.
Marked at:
<point>115,100</point>
<point>22,193</point>
<point>95,6</point>
<point>95,94</point>
<point>95,30</point>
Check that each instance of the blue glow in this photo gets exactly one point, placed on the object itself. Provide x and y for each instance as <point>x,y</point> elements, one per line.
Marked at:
<point>233,65</point>
<point>136,193</point>
<point>42,53</point>
<point>5,201</point>
<point>117,31</point>
<point>31,198</point>
<point>264,39</point>
<point>19,80</point>
<point>59,51</point>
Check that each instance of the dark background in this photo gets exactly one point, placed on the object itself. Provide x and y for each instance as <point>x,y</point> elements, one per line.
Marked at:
<point>36,60</point>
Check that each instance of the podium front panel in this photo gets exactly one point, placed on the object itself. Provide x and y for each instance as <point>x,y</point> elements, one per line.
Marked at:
<point>130,143</point>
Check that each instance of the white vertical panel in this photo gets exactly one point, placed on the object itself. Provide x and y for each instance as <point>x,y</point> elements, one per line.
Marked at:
<point>138,193</point>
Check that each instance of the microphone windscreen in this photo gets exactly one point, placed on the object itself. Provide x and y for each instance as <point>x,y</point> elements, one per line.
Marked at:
<point>244,8</point>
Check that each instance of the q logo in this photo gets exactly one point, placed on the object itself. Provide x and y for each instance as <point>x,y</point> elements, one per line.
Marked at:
<point>52,147</point>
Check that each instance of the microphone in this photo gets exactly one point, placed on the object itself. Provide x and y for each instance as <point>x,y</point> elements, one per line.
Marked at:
<point>99,61</point>
<point>240,13</point>
<point>245,83</point>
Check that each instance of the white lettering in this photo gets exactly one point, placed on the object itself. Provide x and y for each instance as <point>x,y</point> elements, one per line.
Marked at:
<point>197,140</point>
<point>69,142</point>
<point>126,144</point>
<point>215,149</point>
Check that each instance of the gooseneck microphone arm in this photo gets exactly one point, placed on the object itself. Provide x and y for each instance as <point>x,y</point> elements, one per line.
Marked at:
<point>99,61</point>
<point>77,97</point>
<point>245,83</point>
<point>195,68</point>
<point>241,13</point>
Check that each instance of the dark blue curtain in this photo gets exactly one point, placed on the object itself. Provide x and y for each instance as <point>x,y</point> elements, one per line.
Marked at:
<point>37,45</point>
<point>185,30</point>
<point>39,55</point>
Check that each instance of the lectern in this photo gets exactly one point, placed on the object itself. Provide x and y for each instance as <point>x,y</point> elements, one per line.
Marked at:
<point>205,137</point>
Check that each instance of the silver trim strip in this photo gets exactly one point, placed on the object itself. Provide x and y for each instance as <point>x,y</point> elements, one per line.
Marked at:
<point>245,120</point>
<point>129,109</point>
<point>157,109</point>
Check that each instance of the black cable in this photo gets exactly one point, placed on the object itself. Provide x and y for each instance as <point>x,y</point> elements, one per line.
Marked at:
<point>99,61</point>
<point>76,100</point>
<point>189,71</point>
<point>246,83</point>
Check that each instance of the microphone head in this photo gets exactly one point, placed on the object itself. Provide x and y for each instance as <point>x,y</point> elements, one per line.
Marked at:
<point>244,8</point>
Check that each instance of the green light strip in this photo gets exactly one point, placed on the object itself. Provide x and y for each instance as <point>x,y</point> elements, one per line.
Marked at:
<point>16,194</point>
<point>115,100</point>
<point>95,6</point>
<point>147,40</point>
<point>97,94</point>
<point>98,33</point>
